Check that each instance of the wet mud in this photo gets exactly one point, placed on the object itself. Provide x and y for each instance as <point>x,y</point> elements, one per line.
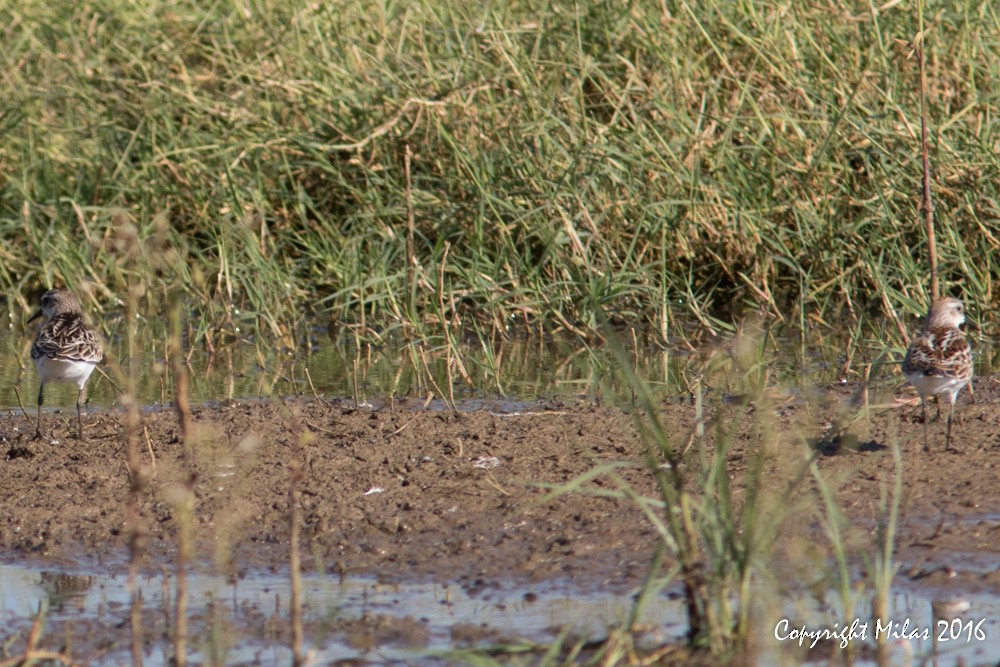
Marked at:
<point>477,498</point>
<point>398,492</point>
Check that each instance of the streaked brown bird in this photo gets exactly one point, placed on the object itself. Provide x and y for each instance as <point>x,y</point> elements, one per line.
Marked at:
<point>66,349</point>
<point>939,361</point>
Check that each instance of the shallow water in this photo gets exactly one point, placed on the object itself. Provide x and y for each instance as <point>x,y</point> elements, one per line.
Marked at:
<point>362,620</point>
<point>349,619</point>
<point>522,367</point>
<point>335,367</point>
<point>925,626</point>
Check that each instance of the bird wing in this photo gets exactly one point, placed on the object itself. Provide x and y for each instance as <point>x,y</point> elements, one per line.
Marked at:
<point>941,351</point>
<point>68,338</point>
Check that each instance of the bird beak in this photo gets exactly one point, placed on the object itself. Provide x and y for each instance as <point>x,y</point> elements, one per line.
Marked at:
<point>35,317</point>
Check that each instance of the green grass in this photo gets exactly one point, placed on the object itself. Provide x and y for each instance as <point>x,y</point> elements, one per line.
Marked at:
<point>651,160</point>
<point>716,542</point>
<point>730,540</point>
<point>656,162</point>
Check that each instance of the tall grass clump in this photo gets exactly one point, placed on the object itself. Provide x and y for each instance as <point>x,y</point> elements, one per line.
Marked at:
<point>716,541</point>
<point>721,537</point>
<point>646,159</point>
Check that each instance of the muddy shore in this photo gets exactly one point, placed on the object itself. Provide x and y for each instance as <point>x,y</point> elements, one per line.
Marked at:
<point>401,493</point>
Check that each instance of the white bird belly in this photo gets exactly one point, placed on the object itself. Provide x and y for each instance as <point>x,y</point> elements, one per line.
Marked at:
<point>937,385</point>
<point>64,370</point>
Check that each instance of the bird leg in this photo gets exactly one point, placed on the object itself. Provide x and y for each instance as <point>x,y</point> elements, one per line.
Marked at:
<point>923,406</point>
<point>38,419</point>
<point>79,417</point>
<point>951,414</point>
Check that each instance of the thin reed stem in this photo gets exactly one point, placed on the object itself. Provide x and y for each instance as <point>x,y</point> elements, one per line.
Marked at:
<point>137,475</point>
<point>294,559</point>
<point>411,258</point>
<point>186,496</point>
<point>296,475</point>
<point>927,204</point>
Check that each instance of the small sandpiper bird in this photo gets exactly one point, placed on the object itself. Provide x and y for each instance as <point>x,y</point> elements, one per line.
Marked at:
<point>65,350</point>
<point>939,361</point>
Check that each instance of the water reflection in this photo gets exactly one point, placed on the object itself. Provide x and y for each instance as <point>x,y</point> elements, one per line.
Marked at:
<point>336,366</point>
<point>345,619</point>
<point>520,367</point>
<point>362,621</point>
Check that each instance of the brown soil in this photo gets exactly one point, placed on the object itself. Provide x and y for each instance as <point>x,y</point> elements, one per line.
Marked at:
<point>401,493</point>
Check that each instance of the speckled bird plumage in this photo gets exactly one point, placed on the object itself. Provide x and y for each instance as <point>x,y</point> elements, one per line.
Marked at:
<point>66,348</point>
<point>939,360</point>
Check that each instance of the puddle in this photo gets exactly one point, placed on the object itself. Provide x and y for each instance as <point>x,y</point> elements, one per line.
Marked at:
<point>361,621</point>
<point>354,619</point>
<point>926,625</point>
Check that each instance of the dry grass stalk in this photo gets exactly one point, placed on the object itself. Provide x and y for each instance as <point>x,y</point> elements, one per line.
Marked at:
<point>295,477</point>
<point>185,506</point>
<point>32,654</point>
<point>411,260</point>
<point>137,480</point>
<point>926,203</point>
